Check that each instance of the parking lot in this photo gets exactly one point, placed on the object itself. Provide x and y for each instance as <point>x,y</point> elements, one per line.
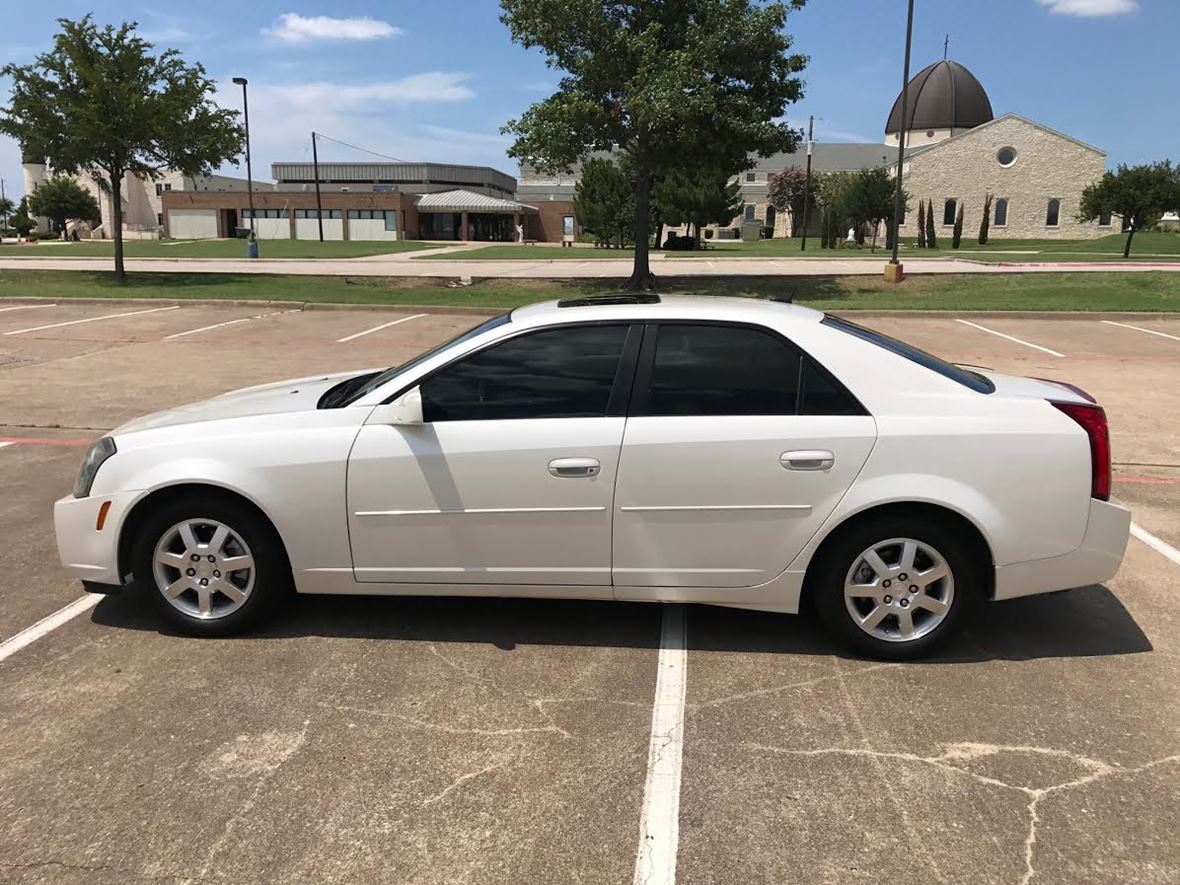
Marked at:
<point>481,741</point>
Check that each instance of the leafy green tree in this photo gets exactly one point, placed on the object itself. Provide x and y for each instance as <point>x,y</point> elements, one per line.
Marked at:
<point>21,222</point>
<point>698,197</point>
<point>931,237</point>
<point>681,83</point>
<point>604,201</point>
<point>60,199</point>
<point>868,199</point>
<point>921,224</point>
<point>985,225</point>
<point>102,103</point>
<point>957,235</point>
<point>1139,195</point>
<point>785,191</point>
<point>6,207</point>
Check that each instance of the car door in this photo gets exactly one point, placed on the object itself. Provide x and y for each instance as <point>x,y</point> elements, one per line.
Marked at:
<point>510,478</point>
<point>737,447</point>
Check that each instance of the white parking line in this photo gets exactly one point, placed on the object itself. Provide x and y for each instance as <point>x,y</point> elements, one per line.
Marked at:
<point>260,316</point>
<point>47,625</point>
<point>1141,329</point>
<point>379,328</point>
<point>25,307</point>
<point>1010,337</point>
<point>1162,547</point>
<point>659,821</point>
<point>3,444</point>
<point>109,316</point>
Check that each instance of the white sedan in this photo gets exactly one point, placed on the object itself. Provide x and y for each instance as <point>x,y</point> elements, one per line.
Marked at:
<point>733,452</point>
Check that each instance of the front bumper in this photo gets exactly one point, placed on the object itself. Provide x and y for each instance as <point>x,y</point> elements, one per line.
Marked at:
<point>1096,560</point>
<point>85,551</point>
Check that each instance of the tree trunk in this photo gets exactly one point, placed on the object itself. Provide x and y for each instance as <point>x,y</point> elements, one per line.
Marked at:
<point>117,224</point>
<point>1130,236</point>
<point>641,277</point>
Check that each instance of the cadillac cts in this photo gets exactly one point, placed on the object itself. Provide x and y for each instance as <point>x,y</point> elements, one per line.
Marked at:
<point>724,451</point>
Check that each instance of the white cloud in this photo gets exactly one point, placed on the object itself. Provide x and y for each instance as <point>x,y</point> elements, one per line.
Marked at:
<point>294,28</point>
<point>431,87</point>
<point>1090,8</point>
<point>466,137</point>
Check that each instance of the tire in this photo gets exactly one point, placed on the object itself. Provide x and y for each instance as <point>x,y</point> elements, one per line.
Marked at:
<point>867,605</point>
<point>196,538</point>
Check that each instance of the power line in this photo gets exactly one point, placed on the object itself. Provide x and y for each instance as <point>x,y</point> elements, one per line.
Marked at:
<point>361,149</point>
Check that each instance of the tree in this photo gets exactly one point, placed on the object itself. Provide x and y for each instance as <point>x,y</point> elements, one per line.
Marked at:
<point>785,192</point>
<point>1139,195</point>
<point>604,202</point>
<point>101,103</point>
<point>698,197</point>
<point>921,224</point>
<point>6,207</point>
<point>985,224</point>
<point>20,221</point>
<point>680,83</point>
<point>869,198</point>
<point>957,235</point>
<point>60,199</point>
<point>931,238</point>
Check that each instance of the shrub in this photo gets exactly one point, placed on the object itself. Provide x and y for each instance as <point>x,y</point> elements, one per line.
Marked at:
<point>985,225</point>
<point>957,236</point>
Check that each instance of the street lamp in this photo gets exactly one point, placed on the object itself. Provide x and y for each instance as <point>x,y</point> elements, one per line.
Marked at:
<point>252,247</point>
<point>893,270</point>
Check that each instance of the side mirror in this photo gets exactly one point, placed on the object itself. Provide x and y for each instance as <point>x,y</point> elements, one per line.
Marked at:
<point>403,411</point>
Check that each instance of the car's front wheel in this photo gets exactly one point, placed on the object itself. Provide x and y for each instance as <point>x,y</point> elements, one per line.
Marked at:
<point>213,567</point>
<point>896,588</point>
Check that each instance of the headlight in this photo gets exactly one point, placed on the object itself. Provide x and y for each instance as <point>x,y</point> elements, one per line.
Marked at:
<point>98,452</point>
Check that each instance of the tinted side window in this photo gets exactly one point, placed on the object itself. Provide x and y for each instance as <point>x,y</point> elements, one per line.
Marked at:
<point>721,370</point>
<point>820,394</point>
<point>556,373</point>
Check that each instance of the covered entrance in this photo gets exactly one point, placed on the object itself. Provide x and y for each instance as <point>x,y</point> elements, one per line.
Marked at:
<point>466,215</point>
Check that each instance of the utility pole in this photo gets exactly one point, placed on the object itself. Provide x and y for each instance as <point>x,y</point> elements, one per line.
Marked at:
<point>807,181</point>
<point>893,270</point>
<point>319,207</point>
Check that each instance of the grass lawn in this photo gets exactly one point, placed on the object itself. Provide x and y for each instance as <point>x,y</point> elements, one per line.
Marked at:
<point>1091,291</point>
<point>212,249</point>
<point>1148,246</point>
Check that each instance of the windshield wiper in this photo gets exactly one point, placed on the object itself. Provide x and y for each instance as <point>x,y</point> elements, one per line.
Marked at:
<point>338,394</point>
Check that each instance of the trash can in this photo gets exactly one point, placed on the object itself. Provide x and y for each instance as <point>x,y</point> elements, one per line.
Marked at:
<point>251,248</point>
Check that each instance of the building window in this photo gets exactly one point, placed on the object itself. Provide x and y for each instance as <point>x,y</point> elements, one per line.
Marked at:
<point>948,211</point>
<point>391,221</point>
<point>160,219</point>
<point>750,176</point>
<point>1053,215</point>
<point>1104,220</point>
<point>265,213</point>
<point>1006,156</point>
<point>750,210</point>
<point>1001,212</point>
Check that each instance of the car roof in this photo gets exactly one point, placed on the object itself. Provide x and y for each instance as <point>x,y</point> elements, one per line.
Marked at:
<point>666,307</point>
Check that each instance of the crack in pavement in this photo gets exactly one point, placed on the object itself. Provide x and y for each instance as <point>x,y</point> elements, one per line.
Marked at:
<point>552,728</point>
<point>472,775</point>
<point>806,683</point>
<point>967,751</point>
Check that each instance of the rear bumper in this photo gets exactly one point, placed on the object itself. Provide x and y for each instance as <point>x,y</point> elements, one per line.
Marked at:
<point>87,552</point>
<point>1096,560</point>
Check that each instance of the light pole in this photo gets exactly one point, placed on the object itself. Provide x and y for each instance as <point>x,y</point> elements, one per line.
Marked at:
<point>807,181</point>
<point>893,270</point>
<point>252,247</point>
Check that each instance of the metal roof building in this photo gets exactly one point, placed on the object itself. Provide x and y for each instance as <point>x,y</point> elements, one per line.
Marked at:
<point>393,177</point>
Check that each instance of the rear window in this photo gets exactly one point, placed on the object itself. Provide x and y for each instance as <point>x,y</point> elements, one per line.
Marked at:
<point>972,380</point>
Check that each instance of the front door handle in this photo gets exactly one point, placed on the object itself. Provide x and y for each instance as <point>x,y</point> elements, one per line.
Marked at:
<point>808,460</point>
<point>574,467</point>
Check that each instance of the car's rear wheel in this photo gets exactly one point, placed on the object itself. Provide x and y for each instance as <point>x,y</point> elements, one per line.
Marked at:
<point>213,567</point>
<point>896,588</point>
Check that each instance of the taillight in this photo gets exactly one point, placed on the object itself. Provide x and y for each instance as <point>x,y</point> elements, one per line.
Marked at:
<point>1092,419</point>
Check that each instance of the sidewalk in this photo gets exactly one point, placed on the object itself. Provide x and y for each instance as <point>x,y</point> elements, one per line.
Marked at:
<point>398,265</point>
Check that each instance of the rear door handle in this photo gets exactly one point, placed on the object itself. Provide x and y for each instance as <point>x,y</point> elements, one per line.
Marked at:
<point>808,460</point>
<point>574,467</point>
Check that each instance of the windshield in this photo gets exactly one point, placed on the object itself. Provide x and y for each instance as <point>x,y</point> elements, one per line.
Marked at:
<point>384,377</point>
<point>972,380</point>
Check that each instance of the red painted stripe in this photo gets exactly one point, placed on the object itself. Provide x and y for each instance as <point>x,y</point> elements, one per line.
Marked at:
<point>44,441</point>
<point>1148,480</point>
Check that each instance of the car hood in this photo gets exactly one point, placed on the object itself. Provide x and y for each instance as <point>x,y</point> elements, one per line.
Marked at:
<point>294,395</point>
<point>1035,388</point>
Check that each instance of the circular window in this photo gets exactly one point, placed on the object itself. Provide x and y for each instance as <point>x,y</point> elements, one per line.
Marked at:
<point>1006,156</point>
<point>929,133</point>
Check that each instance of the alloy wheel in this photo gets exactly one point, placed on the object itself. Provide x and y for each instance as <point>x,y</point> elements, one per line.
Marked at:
<point>899,590</point>
<point>203,568</point>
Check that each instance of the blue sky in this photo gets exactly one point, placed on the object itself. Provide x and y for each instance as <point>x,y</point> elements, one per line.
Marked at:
<point>436,80</point>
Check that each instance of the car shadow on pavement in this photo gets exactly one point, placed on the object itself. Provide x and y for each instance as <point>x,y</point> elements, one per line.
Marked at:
<point>1086,622</point>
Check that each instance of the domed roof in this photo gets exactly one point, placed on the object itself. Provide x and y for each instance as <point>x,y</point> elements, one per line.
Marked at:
<point>944,95</point>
